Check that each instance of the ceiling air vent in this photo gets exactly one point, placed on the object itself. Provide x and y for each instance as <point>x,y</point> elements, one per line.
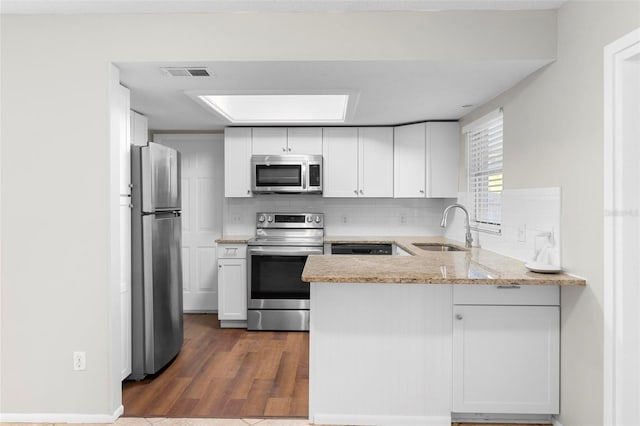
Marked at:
<point>187,72</point>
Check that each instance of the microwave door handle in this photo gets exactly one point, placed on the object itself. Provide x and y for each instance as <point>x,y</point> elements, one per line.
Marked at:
<point>304,176</point>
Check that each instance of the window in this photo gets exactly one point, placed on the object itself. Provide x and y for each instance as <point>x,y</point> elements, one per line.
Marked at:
<point>485,179</point>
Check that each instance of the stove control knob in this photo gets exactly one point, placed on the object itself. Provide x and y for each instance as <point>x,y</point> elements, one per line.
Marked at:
<point>261,218</point>
<point>317,219</point>
<point>309,219</point>
<point>269,218</point>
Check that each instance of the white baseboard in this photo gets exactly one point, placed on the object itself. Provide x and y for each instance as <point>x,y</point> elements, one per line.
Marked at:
<point>366,420</point>
<point>61,417</point>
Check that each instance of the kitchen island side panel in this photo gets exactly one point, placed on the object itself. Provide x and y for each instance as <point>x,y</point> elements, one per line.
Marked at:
<point>380,354</point>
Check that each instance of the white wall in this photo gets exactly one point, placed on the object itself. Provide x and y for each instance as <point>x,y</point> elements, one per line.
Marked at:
<point>553,136</point>
<point>343,217</point>
<point>55,216</point>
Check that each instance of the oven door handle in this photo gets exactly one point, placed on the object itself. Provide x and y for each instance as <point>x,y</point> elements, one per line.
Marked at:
<point>285,251</point>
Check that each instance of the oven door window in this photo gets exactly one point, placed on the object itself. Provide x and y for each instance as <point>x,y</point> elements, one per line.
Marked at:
<point>279,175</point>
<point>278,277</point>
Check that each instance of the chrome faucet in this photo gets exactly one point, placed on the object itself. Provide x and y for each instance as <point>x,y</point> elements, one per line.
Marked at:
<point>468,239</point>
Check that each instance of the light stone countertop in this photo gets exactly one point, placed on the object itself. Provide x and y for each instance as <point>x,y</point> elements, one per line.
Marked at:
<point>469,266</point>
<point>233,239</point>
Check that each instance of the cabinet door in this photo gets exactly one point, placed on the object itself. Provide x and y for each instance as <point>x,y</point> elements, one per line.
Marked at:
<point>120,126</point>
<point>443,146</point>
<point>237,162</point>
<point>269,141</point>
<point>506,359</point>
<point>304,140</point>
<point>125,285</point>
<point>375,162</point>
<point>139,129</point>
<point>340,152</point>
<point>409,161</point>
<point>232,287</point>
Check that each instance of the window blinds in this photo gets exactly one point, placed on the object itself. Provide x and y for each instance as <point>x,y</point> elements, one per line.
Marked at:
<point>484,141</point>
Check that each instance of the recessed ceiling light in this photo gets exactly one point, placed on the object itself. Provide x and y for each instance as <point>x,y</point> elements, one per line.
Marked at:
<point>279,108</point>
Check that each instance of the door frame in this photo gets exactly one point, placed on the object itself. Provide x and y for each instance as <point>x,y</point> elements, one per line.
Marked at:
<point>615,54</point>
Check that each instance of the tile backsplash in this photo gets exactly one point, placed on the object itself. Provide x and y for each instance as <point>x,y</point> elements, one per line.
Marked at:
<point>529,217</point>
<point>343,216</point>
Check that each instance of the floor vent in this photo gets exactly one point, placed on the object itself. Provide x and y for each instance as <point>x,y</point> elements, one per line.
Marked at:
<point>187,72</point>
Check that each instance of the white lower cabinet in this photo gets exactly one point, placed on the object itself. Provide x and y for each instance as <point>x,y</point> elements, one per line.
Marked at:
<point>506,357</point>
<point>232,285</point>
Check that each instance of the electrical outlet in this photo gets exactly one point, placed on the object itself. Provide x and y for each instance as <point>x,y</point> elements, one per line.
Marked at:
<point>344,219</point>
<point>79,361</point>
<point>522,233</point>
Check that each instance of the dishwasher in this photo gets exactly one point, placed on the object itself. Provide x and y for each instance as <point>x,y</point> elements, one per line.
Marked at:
<point>362,248</point>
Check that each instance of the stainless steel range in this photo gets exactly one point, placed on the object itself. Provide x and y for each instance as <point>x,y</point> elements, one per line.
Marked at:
<point>278,299</point>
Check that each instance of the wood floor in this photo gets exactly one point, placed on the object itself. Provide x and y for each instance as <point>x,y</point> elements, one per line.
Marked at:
<point>227,373</point>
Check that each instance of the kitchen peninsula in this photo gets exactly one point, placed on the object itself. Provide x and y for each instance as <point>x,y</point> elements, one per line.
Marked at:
<point>432,336</point>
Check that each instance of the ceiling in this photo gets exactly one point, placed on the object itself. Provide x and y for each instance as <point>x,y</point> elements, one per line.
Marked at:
<point>389,92</point>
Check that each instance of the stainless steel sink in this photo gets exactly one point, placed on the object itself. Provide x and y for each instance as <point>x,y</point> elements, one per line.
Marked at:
<point>437,247</point>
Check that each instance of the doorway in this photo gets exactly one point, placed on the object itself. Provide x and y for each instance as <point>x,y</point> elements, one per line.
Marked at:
<point>622,231</point>
<point>202,159</point>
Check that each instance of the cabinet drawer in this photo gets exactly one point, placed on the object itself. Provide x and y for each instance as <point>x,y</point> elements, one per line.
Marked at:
<point>232,251</point>
<point>464,294</point>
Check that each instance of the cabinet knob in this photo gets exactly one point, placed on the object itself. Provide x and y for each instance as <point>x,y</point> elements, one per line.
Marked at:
<point>289,149</point>
<point>220,266</point>
<point>361,191</point>
<point>355,191</point>
<point>248,191</point>
<point>130,205</point>
<point>458,316</point>
<point>422,191</point>
<point>284,149</point>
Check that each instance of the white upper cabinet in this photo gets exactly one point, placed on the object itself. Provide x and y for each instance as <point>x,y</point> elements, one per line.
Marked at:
<point>409,151</point>
<point>358,162</point>
<point>120,127</point>
<point>340,161</point>
<point>304,140</point>
<point>375,162</point>
<point>269,141</point>
<point>139,129</point>
<point>443,154</point>
<point>237,162</point>
<point>426,159</point>
<point>281,140</point>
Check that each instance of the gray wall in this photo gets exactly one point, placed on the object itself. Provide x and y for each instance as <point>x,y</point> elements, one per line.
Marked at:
<point>553,136</point>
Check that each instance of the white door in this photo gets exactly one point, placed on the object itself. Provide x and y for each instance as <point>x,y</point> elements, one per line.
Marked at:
<point>622,231</point>
<point>506,359</point>
<point>202,206</point>
<point>125,284</point>
<point>233,289</point>
<point>237,161</point>
<point>409,161</point>
<point>375,165</point>
<point>304,140</point>
<point>269,141</point>
<point>443,146</point>
<point>340,161</point>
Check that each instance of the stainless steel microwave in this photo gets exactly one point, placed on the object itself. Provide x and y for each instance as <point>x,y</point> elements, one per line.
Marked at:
<point>286,174</point>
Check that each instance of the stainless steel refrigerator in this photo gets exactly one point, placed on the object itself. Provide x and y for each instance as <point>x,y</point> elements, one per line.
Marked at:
<point>156,286</point>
